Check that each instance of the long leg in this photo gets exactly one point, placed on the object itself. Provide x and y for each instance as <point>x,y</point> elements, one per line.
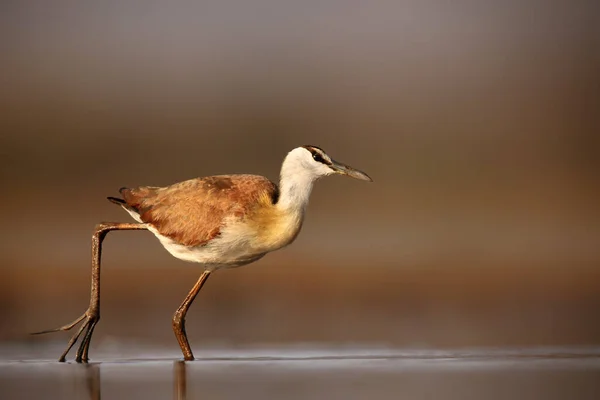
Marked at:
<point>92,315</point>
<point>179,317</point>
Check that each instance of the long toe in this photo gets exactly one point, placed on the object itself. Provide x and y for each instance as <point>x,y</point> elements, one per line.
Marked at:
<point>90,319</point>
<point>64,327</point>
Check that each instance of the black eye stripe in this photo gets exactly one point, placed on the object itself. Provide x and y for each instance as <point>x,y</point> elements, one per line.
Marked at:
<point>317,154</point>
<point>319,158</point>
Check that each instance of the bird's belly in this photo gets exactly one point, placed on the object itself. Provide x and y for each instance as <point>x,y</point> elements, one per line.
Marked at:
<point>221,252</point>
<point>239,242</point>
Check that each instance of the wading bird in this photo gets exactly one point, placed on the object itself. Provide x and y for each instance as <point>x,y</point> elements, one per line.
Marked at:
<point>218,221</point>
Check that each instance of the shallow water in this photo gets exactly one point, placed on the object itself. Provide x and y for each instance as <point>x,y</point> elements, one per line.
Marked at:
<point>132,372</point>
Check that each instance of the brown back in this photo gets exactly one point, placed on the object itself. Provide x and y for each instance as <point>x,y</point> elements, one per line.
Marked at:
<point>193,212</point>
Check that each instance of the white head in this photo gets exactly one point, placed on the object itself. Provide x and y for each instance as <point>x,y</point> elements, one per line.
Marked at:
<point>302,167</point>
<point>311,163</point>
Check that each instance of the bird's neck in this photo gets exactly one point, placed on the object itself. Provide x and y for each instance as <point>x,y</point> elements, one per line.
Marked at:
<point>295,186</point>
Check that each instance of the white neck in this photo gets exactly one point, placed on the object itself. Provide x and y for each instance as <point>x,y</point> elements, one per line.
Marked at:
<point>295,184</point>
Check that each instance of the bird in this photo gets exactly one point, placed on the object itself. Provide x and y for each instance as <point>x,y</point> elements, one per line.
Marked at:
<point>220,221</point>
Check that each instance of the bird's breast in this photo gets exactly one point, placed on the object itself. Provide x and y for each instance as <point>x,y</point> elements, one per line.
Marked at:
<point>273,229</point>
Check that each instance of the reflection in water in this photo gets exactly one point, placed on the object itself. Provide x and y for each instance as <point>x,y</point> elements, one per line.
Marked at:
<point>92,378</point>
<point>179,381</point>
<point>552,373</point>
<point>93,381</point>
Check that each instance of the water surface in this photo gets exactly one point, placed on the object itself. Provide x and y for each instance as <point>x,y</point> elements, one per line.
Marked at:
<point>134,372</point>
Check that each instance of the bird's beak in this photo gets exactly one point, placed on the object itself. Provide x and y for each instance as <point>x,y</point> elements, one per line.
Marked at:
<point>351,172</point>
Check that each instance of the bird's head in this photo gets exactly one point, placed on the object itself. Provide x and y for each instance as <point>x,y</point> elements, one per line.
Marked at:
<point>314,163</point>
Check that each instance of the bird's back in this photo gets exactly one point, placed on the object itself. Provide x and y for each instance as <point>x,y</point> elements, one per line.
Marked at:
<point>194,212</point>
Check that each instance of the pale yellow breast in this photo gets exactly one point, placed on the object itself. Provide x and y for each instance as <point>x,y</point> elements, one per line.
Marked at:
<point>274,228</point>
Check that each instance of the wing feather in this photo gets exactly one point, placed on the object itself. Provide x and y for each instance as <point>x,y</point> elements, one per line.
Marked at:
<point>193,212</point>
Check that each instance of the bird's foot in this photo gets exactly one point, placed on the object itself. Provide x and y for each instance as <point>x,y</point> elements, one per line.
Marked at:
<point>90,319</point>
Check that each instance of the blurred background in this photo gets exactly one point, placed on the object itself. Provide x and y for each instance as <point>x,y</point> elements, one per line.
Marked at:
<point>478,121</point>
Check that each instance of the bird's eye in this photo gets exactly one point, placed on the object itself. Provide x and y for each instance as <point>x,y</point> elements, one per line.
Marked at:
<point>318,158</point>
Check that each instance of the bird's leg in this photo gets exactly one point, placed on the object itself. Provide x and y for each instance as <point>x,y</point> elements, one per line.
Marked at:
<point>92,315</point>
<point>179,317</point>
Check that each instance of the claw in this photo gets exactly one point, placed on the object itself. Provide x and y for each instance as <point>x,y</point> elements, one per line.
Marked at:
<point>82,353</point>
<point>84,346</point>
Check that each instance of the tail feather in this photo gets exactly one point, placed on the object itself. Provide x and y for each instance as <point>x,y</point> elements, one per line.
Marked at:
<point>130,209</point>
<point>117,201</point>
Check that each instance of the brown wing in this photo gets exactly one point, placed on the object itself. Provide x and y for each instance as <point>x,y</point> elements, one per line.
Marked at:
<point>192,212</point>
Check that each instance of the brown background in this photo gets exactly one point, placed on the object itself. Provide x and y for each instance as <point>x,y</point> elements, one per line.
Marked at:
<point>477,120</point>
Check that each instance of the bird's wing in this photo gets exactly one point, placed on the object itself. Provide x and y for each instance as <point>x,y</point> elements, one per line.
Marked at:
<point>193,212</point>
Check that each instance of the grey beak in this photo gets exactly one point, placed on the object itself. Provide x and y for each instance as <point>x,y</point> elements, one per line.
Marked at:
<point>351,172</point>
